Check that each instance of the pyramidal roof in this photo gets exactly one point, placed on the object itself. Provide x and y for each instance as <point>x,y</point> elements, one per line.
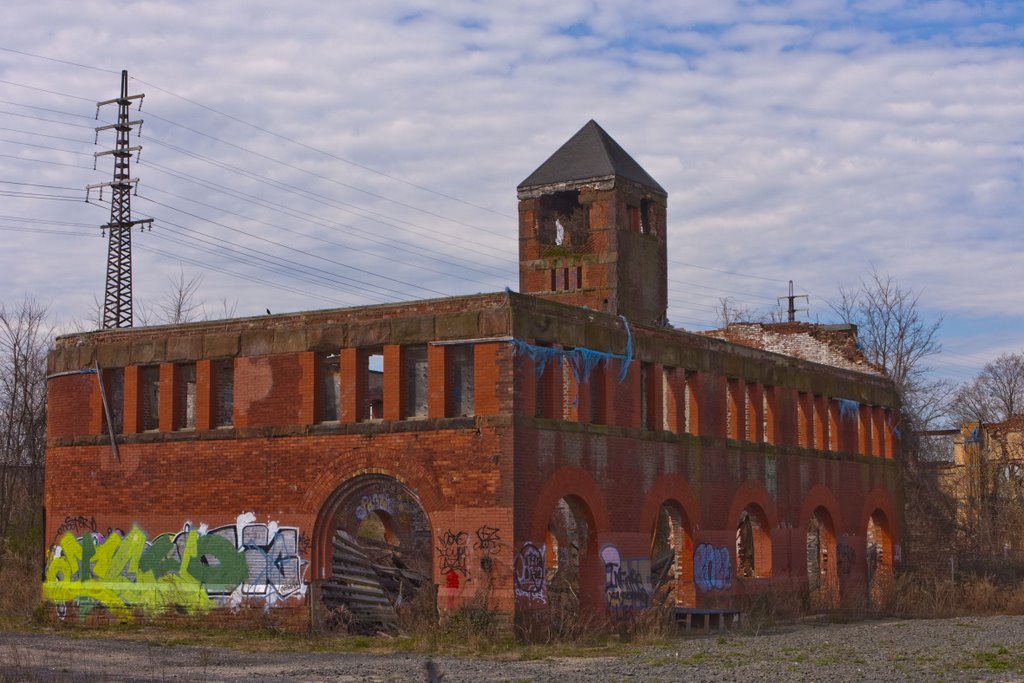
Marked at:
<point>590,153</point>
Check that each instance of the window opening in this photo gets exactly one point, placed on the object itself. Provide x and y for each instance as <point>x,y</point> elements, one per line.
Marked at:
<point>186,396</point>
<point>595,389</point>
<point>149,380</point>
<point>562,221</point>
<point>329,376</point>
<point>224,392</point>
<point>753,544</point>
<point>415,359</point>
<point>373,408</point>
<point>462,382</point>
<point>672,559</point>
<point>822,573</point>
<point>645,211</point>
<point>633,218</point>
<point>644,422</point>
<point>113,383</point>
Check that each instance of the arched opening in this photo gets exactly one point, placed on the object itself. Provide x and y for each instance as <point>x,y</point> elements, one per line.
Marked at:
<point>570,553</point>
<point>879,560</point>
<point>753,544</point>
<point>378,553</point>
<point>822,569</point>
<point>672,558</point>
<point>377,528</point>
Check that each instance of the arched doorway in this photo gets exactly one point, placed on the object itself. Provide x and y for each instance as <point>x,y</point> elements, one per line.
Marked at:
<point>571,557</point>
<point>672,558</point>
<point>822,570</point>
<point>378,553</point>
<point>753,544</point>
<point>879,554</point>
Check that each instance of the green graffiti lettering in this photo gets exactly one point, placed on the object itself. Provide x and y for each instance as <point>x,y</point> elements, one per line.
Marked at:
<point>125,574</point>
<point>191,571</point>
<point>155,557</point>
<point>219,565</point>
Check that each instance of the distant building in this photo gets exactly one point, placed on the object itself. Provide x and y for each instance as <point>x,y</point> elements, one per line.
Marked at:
<point>555,449</point>
<point>979,469</point>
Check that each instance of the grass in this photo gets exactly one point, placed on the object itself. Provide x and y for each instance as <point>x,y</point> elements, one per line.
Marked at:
<point>998,658</point>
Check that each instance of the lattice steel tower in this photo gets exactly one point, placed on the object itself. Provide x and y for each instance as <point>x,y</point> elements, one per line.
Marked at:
<point>117,300</point>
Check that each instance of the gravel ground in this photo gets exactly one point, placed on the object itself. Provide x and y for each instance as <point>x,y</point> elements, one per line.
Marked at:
<point>973,649</point>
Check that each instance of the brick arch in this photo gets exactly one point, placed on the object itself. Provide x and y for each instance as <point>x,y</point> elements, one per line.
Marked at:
<point>820,496</point>
<point>880,578</point>
<point>564,482</point>
<point>669,488</point>
<point>824,583</point>
<point>673,490</point>
<point>763,560</point>
<point>323,497</point>
<point>878,499</point>
<point>752,493</point>
<point>390,462</point>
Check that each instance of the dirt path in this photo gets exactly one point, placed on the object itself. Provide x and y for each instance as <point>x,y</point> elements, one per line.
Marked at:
<point>990,648</point>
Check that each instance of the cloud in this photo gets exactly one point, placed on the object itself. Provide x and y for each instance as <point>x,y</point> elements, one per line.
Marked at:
<point>797,140</point>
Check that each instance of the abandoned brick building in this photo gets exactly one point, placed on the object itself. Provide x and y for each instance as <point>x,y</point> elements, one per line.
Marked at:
<point>519,448</point>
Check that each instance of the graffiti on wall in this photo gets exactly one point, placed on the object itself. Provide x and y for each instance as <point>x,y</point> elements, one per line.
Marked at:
<point>529,576</point>
<point>488,541</point>
<point>627,583</point>
<point>78,525</point>
<point>195,569</point>
<point>451,548</point>
<point>846,557</point>
<point>712,568</point>
<point>392,501</point>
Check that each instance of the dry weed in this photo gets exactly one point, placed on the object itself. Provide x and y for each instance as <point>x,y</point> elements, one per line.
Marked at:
<point>20,589</point>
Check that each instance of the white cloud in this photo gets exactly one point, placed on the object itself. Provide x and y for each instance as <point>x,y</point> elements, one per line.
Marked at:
<point>798,140</point>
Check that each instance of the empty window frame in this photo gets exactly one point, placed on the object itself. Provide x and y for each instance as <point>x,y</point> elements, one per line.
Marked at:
<point>596,393</point>
<point>644,398</point>
<point>753,410</point>
<point>185,396</point>
<point>113,385</point>
<point>329,386</point>
<point>223,392</point>
<point>768,414</point>
<point>633,218</point>
<point>149,389</point>
<point>562,221</point>
<point>414,373</point>
<point>372,365</point>
<point>753,544</point>
<point>804,420</point>
<point>461,382</point>
<point>646,217</point>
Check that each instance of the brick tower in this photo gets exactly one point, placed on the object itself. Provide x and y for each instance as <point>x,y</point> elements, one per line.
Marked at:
<point>592,230</point>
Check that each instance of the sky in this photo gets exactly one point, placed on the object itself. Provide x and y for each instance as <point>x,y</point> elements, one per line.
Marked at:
<point>310,155</point>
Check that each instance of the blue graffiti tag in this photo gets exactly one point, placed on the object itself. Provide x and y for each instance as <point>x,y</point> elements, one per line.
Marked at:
<point>712,568</point>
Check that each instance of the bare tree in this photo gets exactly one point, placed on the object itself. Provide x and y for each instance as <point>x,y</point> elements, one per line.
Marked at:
<point>24,341</point>
<point>995,394</point>
<point>179,304</point>
<point>895,336</point>
<point>730,311</point>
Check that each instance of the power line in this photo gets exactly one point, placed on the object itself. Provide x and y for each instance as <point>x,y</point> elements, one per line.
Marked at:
<point>316,197</point>
<point>329,154</point>
<point>59,61</point>
<point>320,239</point>
<point>297,250</point>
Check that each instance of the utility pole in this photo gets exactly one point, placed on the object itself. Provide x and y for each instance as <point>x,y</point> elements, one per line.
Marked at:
<point>792,303</point>
<point>117,300</point>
